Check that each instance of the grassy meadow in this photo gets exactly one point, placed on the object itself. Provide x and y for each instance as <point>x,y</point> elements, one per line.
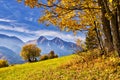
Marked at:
<point>85,66</point>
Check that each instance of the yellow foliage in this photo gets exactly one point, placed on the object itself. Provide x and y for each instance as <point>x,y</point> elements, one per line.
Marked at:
<point>110,0</point>
<point>3,63</point>
<point>71,14</point>
<point>30,52</point>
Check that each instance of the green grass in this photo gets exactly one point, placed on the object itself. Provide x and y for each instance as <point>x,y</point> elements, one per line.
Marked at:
<point>32,71</point>
<point>86,66</point>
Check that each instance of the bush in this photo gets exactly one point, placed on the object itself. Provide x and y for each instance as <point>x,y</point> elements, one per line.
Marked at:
<point>55,56</point>
<point>3,63</point>
<point>52,55</point>
<point>44,57</point>
<point>90,55</point>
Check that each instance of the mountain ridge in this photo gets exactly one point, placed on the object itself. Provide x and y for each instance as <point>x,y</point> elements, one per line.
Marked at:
<point>56,44</point>
<point>14,45</point>
<point>10,55</point>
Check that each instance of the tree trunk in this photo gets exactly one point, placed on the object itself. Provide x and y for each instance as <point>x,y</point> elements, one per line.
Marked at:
<point>114,24</point>
<point>99,40</point>
<point>115,31</point>
<point>106,28</point>
<point>118,12</point>
<point>29,60</point>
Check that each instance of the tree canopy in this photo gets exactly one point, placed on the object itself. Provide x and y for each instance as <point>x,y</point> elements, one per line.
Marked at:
<point>30,52</point>
<point>77,15</point>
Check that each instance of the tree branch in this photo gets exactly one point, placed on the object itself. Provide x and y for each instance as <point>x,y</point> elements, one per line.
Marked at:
<point>72,8</point>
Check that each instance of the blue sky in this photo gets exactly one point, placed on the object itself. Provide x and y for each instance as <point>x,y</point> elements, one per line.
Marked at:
<point>21,21</point>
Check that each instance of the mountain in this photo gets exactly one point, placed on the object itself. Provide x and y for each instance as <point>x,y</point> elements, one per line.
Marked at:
<point>10,47</point>
<point>42,40</point>
<point>11,42</point>
<point>23,27</point>
<point>58,45</point>
<point>10,55</point>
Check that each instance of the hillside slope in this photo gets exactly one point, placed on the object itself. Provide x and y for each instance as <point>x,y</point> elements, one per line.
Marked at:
<point>32,71</point>
<point>73,67</point>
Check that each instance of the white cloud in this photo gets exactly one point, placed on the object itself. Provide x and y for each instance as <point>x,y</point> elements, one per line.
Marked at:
<point>67,37</point>
<point>6,20</point>
<point>19,29</point>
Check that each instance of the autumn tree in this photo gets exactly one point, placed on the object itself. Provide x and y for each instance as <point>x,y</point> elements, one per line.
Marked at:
<point>52,55</point>
<point>79,46</point>
<point>91,40</point>
<point>111,19</point>
<point>3,63</point>
<point>30,52</point>
<point>106,27</point>
<point>77,15</point>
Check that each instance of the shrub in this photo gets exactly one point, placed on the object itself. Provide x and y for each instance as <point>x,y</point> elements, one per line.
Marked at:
<point>55,56</point>
<point>52,55</point>
<point>3,63</point>
<point>90,55</point>
<point>44,57</point>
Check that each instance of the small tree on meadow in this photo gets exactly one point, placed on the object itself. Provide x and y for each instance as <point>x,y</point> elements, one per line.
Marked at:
<point>3,63</point>
<point>30,52</point>
<point>51,54</point>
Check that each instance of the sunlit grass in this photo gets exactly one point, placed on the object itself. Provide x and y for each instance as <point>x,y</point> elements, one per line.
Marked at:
<point>86,66</point>
<point>32,70</point>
